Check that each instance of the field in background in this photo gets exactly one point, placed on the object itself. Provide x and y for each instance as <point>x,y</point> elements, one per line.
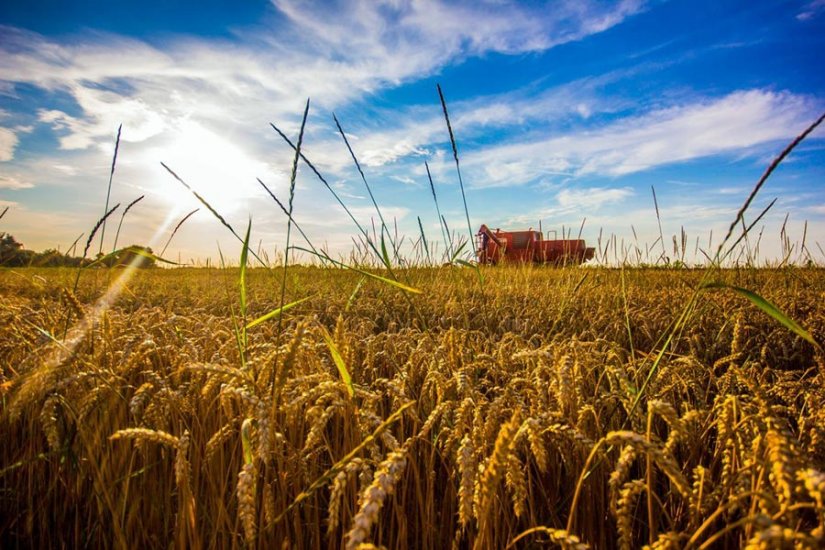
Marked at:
<point>579,406</point>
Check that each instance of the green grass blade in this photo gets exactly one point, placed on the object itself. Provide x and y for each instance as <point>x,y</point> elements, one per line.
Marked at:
<point>424,240</point>
<point>767,307</point>
<point>385,256</point>
<point>390,282</point>
<point>352,296</point>
<point>339,361</point>
<point>242,276</point>
<point>134,250</point>
<point>277,311</point>
<point>458,251</point>
<point>580,283</point>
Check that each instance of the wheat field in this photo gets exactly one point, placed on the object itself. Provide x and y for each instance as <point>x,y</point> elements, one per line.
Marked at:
<point>538,407</point>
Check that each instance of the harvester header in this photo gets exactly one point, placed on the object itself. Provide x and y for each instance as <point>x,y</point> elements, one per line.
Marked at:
<point>493,247</point>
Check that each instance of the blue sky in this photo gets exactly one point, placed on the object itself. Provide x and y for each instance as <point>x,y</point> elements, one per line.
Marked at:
<point>563,111</point>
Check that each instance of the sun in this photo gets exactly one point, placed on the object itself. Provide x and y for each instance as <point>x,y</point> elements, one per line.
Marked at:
<point>213,166</point>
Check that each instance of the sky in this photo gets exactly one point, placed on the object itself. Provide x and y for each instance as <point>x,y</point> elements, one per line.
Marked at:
<point>566,114</point>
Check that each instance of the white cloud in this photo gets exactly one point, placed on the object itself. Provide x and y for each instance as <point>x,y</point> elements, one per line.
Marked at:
<point>332,55</point>
<point>404,135</point>
<point>105,111</point>
<point>13,183</point>
<point>414,37</point>
<point>737,190</point>
<point>66,169</point>
<point>735,122</point>
<point>385,155</point>
<point>8,142</point>
<point>593,197</point>
<point>406,180</point>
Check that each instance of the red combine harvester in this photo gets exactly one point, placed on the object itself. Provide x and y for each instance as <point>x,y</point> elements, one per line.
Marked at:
<point>497,246</point>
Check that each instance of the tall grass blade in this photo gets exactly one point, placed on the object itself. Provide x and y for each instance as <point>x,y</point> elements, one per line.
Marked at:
<point>441,222</point>
<point>363,177</point>
<point>292,179</point>
<point>330,189</point>
<point>458,251</point>
<point>455,157</point>
<point>449,236</point>
<point>202,201</point>
<point>275,312</point>
<point>747,229</point>
<point>71,249</point>
<point>97,226</point>
<point>384,280</point>
<point>659,221</point>
<point>465,263</point>
<point>242,274</point>
<point>123,215</point>
<point>211,209</point>
<point>351,299</point>
<point>768,171</point>
<point>286,212</point>
<point>424,240</point>
<point>109,189</point>
<point>175,230</point>
<point>384,254</point>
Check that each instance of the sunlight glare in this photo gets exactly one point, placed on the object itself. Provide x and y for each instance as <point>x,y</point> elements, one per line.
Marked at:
<point>222,173</point>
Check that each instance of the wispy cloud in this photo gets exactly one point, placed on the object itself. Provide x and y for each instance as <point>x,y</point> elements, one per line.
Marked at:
<point>103,110</point>
<point>404,135</point>
<point>311,52</point>
<point>13,183</point>
<point>398,40</point>
<point>737,121</point>
<point>593,197</point>
<point>8,142</point>
<point>811,10</point>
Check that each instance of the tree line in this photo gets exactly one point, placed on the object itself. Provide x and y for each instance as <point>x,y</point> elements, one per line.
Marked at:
<point>14,254</point>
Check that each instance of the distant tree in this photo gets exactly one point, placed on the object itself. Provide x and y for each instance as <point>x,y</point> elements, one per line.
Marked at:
<point>51,258</point>
<point>12,254</point>
<point>11,251</point>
